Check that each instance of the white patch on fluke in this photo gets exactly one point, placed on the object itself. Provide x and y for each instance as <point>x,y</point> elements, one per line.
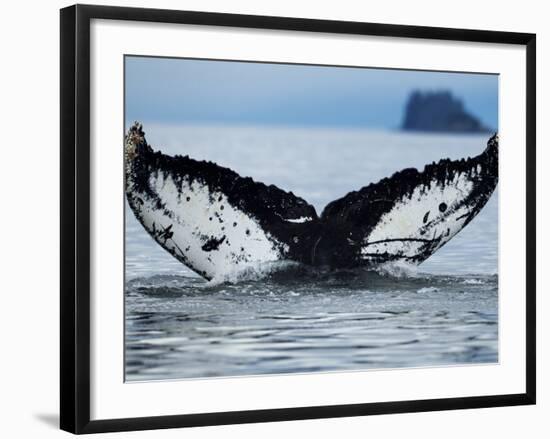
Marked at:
<point>250,272</point>
<point>198,215</point>
<point>399,231</point>
<point>302,219</point>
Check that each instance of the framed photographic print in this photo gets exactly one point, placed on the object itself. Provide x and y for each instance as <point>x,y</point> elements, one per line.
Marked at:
<point>268,218</point>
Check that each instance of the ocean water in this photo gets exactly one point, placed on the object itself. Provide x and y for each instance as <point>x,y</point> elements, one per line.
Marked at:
<point>288,318</point>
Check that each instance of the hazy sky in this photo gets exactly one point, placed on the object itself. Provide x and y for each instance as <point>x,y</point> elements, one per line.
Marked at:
<point>201,91</point>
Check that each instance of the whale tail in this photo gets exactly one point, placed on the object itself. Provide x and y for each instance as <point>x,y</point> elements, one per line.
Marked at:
<point>213,220</point>
<point>210,218</point>
<point>411,214</point>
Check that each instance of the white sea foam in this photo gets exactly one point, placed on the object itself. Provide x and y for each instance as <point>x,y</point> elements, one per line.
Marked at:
<point>250,272</point>
<point>399,269</point>
<point>427,290</point>
<point>473,282</point>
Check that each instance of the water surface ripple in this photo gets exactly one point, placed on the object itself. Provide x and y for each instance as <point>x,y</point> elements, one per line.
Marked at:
<point>183,327</point>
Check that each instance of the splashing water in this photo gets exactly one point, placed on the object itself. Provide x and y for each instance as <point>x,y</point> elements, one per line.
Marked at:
<point>252,272</point>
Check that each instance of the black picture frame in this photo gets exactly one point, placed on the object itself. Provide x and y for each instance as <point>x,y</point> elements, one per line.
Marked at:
<point>75,217</point>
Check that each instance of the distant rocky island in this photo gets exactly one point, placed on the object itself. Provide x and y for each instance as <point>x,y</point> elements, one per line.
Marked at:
<point>439,111</point>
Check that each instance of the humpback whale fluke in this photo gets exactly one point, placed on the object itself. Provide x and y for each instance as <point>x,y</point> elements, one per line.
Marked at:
<point>215,221</point>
